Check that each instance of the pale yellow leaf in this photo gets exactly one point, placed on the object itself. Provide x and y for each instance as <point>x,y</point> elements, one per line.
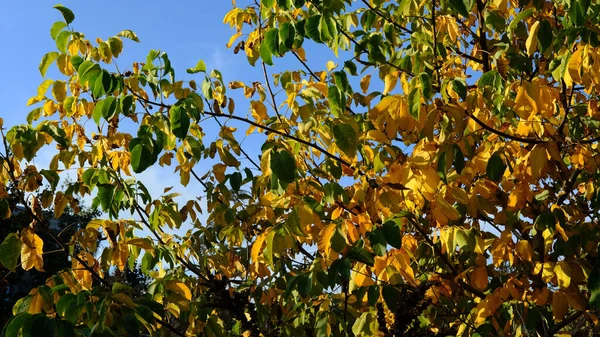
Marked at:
<point>259,110</point>
<point>390,81</point>
<point>32,250</point>
<point>180,288</point>
<point>331,65</point>
<point>532,39</point>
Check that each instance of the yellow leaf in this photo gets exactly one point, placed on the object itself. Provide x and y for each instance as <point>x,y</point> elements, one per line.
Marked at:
<point>180,288</point>
<point>233,38</point>
<point>362,277</point>
<point>259,111</point>
<point>525,250</point>
<point>60,203</point>
<point>479,278</point>
<point>532,39</point>
<point>81,272</point>
<point>324,242</point>
<point>538,159</point>
<point>560,305</point>
<point>547,271</point>
<point>573,67</point>
<point>390,82</point>
<point>486,308</point>
<point>331,65</point>
<point>563,274</point>
<point>32,250</point>
<point>120,255</point>
<point>123,298</point>
<point>364,83</point>
<point>59,91</point>
<point>37,303</point>
<point>142,243</point>
<point>257,247</point>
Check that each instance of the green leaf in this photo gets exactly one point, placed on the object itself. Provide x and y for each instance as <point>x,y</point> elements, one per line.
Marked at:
<point>325,32</point>
<point>40,326</point>
<point>116,46</point>
<point>17,323</point>
<point>518,18</point>
<point>64,302</point>
<point>66,13</point>
<point>577,14</point>
<point>459,159</point>
<point>312,28</point>
<point>465,239</point>
<point>106,108</point>
<point>374,47</point>
<point>200,67</point>
<point>544,36</point>
<point>10,250</point>
<point>106,193</point>
<point>594,283</point>
<point>235,180</point>
<point>460,7</point>
<point>283,165</point>
<point>425,82</point>
<point>57,27</point>
<point>47,60</point>
<point>346,139</point>
<point>88,71</point>
<point>128,34</point>
<point>441,167</point>
<point>265,54</point>
<point>338,243</point>
<point>62,40</point>
<point>287,33</point>
<point>362,326</point>
<point>460,87</point>
<point>392,234</point>
<point>378,242</point>
<point>373,295</point>
<point>391,296</point>
<point>272,41</point>
<point>321,324</point>
<point>350,67</point>
<point>545,220</point>
<point>126,103</point>
<point>360,255</point>
<point>414,103</point>
<point>180,121</point>
<point>141,158</point>
<point>495,167</point>
<point>336,99</point>
<point>267,3</point>
<point>341,81</point>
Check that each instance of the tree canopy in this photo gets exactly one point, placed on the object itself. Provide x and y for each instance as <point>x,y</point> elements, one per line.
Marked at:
<point>437,177</point>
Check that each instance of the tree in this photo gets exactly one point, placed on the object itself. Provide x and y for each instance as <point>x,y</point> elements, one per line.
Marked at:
<point>438,178</point>
<point>18,283</point>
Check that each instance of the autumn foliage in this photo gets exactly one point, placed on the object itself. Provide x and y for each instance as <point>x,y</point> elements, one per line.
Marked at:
<point>437,177</point>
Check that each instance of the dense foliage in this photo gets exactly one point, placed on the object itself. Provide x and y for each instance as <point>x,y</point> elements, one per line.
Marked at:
<point>437,178</point>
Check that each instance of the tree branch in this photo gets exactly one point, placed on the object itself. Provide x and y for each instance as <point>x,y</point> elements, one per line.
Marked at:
<point>502,134</point>
<point>402,28</point>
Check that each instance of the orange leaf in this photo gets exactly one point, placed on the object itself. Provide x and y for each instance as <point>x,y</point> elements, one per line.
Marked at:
<point>560,305</point>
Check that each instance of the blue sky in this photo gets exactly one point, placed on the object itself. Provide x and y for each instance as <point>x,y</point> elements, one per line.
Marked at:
<point>187,30</point>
